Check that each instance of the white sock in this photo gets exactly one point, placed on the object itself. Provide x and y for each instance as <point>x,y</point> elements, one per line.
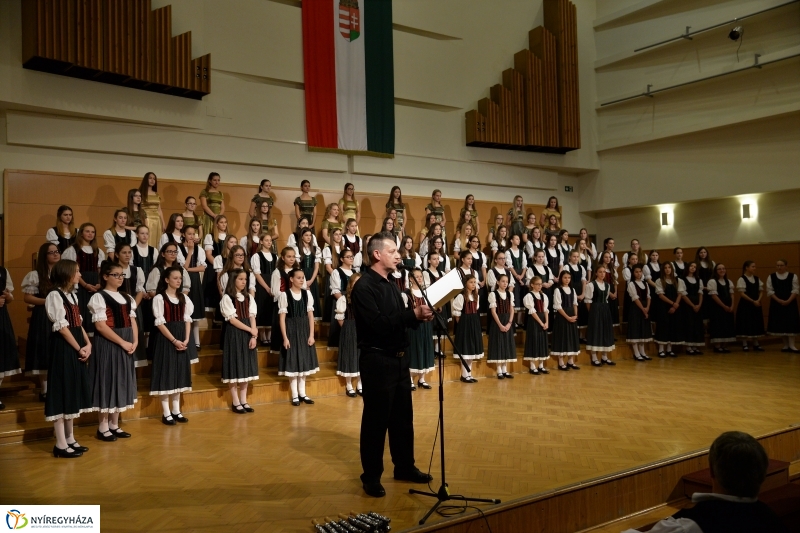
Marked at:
<point>301,386</point>
<point>165,405</point>
<point>44,386</point>
<point>196,330</point>
<point>103,426</point>
<point>243,392</point>
<point>464,371</point>
<point>422,378</point>
<point>1,380</point>
<point>412,379</point>
<point>58,428</point>
<point>594,357</point>
<point>113,421</point>
<point>293,387</point>
<point>791,343</point>
<point>641,349</point>
<point>541,364</point>
<point>435,345</point>
<point>234,394</point>
<point>176,403</point>
<point>635,349</point>
<point>662,348</point>
<point>348,383</point>
<point>359,384</point>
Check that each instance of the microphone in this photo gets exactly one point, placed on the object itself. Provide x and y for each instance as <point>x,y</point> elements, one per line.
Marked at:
<point>401,267</point>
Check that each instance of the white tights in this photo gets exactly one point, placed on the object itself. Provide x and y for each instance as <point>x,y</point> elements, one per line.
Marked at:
<point>238,393</point>
<point>298,386</point>
<point>63,431</point>
<point>176,404</point>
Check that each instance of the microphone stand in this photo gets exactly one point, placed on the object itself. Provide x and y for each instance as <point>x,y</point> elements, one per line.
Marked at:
<point>443,494</point>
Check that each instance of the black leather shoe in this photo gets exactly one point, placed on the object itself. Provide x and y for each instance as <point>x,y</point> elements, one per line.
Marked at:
<point>414,476</point>
<point>544,371</point>
<point>758,348</point>
<point>647,357</point>
<point>2,406</point>
<point>246,407</point>
<point>533,371</point>
<point>238,409</point>
<point>307,400</point>
<point>105,438</point>
<point>179,418</point>
<point>724,350</point>
<point>508,376</point>
<point>413,387</point>
<point>609,362</point>
<point>360,392</point>
<point>597,363</point>
<point>563,367</point>
<point>793,350</point>
<point>295,401</point>
<point>662,355</point>
<point>573,366</point>
<point>501,376</point>
<point>351,393</point>
<point>77,447</point>
<point>424,385</point>
<point>465,380</point>
<point>122,434</point>
<point>42,396</point>
<point>58,452</point>
<point>672,354</point>
<point>745,348</point>
<point>375,490</point>
<point>168,421</point>
<point>472,379</point>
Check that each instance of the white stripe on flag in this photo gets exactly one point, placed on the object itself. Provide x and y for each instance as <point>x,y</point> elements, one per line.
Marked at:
<point>351,89</point>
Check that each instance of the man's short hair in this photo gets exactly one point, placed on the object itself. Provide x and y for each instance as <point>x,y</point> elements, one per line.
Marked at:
<point>378,241</point>
<point>739,463</point>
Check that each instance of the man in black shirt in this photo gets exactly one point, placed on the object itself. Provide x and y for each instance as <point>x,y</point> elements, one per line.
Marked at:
<point>381,322</point>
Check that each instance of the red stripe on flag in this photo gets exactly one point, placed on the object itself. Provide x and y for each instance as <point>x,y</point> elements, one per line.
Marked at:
<point>319,68</point>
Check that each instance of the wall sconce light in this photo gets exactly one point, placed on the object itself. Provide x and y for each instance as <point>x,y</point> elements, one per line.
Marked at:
<point>745,210</point>
<point>665,219</point>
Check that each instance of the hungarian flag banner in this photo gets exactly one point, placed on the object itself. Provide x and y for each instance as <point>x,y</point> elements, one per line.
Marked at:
<point>349,76</point>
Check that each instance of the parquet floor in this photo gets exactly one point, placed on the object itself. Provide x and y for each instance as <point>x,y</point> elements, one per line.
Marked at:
<point>275,470</point>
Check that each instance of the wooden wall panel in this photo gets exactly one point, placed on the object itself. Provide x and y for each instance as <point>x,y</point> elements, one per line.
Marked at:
<point>161,63</point>
<point>89,34</point>
<point>514,82</point>
<point>543,46</point>
<point>476,127</point>
<point>560,19</point>
<point>530,67</point>
<point>182,61</point>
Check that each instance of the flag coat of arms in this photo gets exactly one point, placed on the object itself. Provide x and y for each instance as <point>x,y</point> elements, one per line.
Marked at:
<point>349,76</point>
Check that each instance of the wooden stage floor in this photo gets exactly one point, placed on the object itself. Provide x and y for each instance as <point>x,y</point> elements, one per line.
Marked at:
<point>278,468</point>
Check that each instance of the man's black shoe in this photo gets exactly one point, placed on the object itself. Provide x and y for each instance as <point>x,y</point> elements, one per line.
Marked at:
<point>374,489</point>
<point>415,476</point>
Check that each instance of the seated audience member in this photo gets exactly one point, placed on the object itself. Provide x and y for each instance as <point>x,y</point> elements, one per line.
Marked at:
<point>738,467</point>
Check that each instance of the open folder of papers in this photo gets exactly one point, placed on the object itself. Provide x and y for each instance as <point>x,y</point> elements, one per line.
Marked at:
<point>444,290</point>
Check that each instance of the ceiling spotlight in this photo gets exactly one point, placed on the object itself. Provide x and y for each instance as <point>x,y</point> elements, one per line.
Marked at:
<point>735,33</point>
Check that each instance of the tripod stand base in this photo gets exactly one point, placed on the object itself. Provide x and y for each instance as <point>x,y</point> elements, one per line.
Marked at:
<point>443,495</point>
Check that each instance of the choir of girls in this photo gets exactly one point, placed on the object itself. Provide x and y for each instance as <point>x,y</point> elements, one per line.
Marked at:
<point>101,305</point>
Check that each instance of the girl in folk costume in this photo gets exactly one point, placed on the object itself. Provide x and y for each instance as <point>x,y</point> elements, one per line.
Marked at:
<point>669,327</point>
<point>517,264</point>
<point>239,357</point>
<point>189,218</point>
<point>501,241</point>
<point>563,244</point>
<point>600,334</point>
<point>172,346</point>
<point>396,202</point>
<point>585,258</point>
<point>678,263</point>
<point>640,331</point>
<point>264,195</point>
<point>566,342</point>
<point>749,313</point>
<point>535,242</point>
<point>144,257</point>
<point>607,260</point>
<point>236,260</point>
<point>35,287</point>
<point>338,283</point>
<point>437,209</point>
<point>469,206</point>
<point>627,276</point>
<point>552,228</point>
<point>305,205</point>
<point>552,210</point>
<point>331,222</point>
<point>193,261</point>
<point>539,268</point>
<point>721,324</point>
<point>466,231</point>
<point>502,346</point>
<point>264,263</point>
<point>552,254</point>
<point>636,249</point>
<point>466,218</point>
<point>536,350</point>
<point>269,225</point>
<point>173,231</point>
<point>437,247</point>
<point>331,258</point>
<point>63,233</point>
<point>251,241</point>
<point>498,222</point>
<point>592,249</point>
<point>705,270</point>
<point>695,331</point>
<point>784,317</point>
<point>468,336</point>
<point>479,265</point>
<point>88,256</point>
<point>212,202</point>
<point>420,346</point>
<point>579,277</point>
<point>9,354</point>
<point>347,364</point>
<point>294,238</point>
<point>409,258</point>
<point>498,268</point>
<point>167,258</point>
<point>117,233</point>
<point>298,356</point>
<point>529,226</point>
<point>132,284</point>
<point>434,231</point>
<point>433,273</point>
<point>214,246</point>
<point>69,387</point>
<point>349,208</point>
<point>652,272</point>
<point>136,215</point>
<point>430,220</point>
<point>515,218</point>
<point>151,203</point>
<point>309,258</point>
<point>280,283</point>
<point>113,360</point>
<point>608,246</point>
<point>353,242</point>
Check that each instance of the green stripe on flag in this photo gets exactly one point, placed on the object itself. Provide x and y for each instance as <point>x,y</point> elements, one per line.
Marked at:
<point>379,66</point>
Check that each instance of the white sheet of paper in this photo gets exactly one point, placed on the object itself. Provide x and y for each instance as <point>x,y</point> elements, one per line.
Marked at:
<point>444,290</point>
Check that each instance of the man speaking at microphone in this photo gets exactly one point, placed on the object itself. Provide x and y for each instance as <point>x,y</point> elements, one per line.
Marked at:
<point>381,322</point>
